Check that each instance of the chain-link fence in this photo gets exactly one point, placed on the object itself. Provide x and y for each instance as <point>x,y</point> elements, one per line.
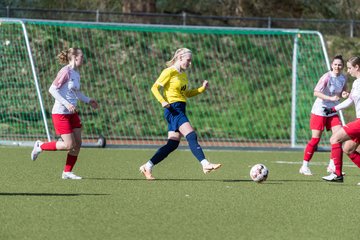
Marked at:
<point>348,28</point>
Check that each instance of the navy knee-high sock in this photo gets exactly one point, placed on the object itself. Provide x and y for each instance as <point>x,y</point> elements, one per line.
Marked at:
<point>194,146</point>
<point>164,151</point>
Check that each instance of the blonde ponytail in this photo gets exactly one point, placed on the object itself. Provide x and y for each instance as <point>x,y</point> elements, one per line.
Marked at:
<point>64,57</point>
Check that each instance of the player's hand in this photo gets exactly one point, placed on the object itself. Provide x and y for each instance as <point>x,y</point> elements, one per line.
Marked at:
<point>334,98</point>
<point>71,108</point>
<point>93,103</point>
<point>329,111</point>
<point>205,84</point>
<point>165,104</point>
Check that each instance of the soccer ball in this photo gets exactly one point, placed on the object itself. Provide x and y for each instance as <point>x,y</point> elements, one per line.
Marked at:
<point>259,173</point>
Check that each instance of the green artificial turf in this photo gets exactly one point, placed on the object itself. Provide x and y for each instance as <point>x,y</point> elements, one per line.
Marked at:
<point>113,201</point>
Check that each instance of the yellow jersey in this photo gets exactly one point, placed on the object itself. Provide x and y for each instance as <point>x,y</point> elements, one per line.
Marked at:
<point>175,86</point>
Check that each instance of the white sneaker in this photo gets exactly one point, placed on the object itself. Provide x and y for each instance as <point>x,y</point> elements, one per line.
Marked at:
<point>70,175</point>
<point>211,167</point>
<point>36,150</point>
<point>333,178</point>
<point>146,172</point>
<point>305,171</point>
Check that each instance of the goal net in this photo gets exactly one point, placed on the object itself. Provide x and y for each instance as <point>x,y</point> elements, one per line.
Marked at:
<point>261,81</point>
<point>21,110</point>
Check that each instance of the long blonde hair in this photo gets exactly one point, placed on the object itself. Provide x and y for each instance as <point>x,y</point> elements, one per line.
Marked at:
<point>180,52</point>
<point>64,57</point>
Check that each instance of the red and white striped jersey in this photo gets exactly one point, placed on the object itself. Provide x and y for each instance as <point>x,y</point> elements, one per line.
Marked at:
<point>330,85</point>
<point>66,90</point>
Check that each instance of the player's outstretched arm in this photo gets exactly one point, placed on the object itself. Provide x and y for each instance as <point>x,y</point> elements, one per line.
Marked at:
<point>197,91</point>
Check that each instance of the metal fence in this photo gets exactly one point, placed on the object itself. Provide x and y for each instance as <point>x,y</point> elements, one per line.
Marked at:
<point>348,28</point>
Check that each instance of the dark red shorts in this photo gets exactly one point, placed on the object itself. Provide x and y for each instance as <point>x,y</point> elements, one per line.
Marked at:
<point>320,122</point>
<point>65,123</point>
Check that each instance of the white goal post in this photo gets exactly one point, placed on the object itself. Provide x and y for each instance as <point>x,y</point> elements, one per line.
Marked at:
<point>7,40</point>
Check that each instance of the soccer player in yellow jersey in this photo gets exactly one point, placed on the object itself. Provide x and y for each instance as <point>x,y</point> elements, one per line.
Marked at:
<point>174,82</point>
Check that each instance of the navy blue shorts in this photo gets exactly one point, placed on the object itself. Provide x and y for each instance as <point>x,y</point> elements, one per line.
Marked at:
<point>175,115</point>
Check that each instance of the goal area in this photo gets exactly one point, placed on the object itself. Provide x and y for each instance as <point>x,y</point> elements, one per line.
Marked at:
<point>260,92</point>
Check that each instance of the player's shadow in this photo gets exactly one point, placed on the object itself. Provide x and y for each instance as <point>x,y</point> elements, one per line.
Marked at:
<point>201,180</point>
<point>113,179</point>
<point>269,181</point>
<point>50,194</point>
<point>237,180</point>
<point>295,180</point>
<point>170,179</point>
<point>280,181</point>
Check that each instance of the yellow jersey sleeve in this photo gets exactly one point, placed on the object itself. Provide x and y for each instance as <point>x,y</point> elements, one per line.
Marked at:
<point>162,81</point>
<point>164,77</point>
<point>194,92</point>
<point>156,92</point>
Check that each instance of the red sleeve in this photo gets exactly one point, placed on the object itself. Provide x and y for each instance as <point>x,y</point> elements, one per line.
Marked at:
<point>321,85</point>
<point>62,77</point>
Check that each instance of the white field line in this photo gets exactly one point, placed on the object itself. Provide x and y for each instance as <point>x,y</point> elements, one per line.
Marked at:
<point>313,163</point>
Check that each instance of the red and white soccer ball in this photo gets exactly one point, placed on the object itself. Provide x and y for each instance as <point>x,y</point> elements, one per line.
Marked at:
<point>259,173</point>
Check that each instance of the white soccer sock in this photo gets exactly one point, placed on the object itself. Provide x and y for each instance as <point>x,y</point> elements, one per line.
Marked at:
<point>305,163</point>
<point>204,162</point>
<point>149,165</point>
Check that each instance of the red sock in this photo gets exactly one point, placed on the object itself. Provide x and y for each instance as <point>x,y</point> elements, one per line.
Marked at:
<point>48,146</point>
<point>337,156</point>
<point>310,148</point>
<point>355,157</point>
<point>70,162</point>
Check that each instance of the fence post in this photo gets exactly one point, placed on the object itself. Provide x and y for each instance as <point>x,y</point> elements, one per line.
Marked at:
<point>184,17</point>
<point>97,15</point>
<point>269,22</point>
<point>8,11</point>
<point>352,28</point>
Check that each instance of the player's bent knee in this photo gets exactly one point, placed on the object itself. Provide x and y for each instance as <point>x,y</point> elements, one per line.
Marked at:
<point>69,146</point>
<point>74,152</point>
<point>334,140</point>
<point>172,144</point>
<point>349,148</point>
<point>348,151</point>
